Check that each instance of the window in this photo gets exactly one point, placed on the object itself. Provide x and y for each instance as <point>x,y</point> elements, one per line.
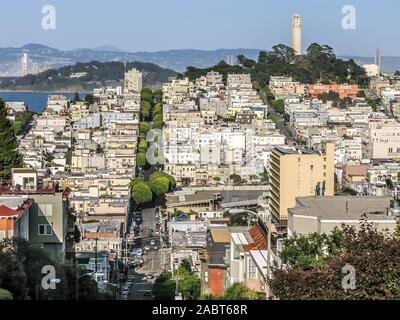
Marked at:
<point>45,230</point>
<point>206,276</point>
<point>252,270</point>
<point>10,234</point>
<point>2,234</point>
<point>45,209</point>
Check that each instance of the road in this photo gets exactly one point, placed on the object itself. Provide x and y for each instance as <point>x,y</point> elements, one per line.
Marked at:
<point>155,261</point>
<point>282,126</point>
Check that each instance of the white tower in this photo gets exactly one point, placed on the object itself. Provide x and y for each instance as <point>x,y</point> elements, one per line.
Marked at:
<point>296,33</point>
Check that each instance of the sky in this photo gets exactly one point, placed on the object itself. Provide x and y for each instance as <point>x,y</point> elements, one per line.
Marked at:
<point>153,25</point>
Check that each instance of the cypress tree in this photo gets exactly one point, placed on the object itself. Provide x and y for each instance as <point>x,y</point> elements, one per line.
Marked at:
<point>9,155</point>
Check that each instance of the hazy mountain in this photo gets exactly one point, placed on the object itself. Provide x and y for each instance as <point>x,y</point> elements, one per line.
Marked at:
<point>49,58</point>
<point>108,48</point>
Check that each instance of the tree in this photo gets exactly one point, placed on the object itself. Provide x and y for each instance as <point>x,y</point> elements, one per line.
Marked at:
<point>160,174</point>
<point>164,287</point>
<point>235,178</point>
<point>89,99</point>
<point>9,155</point>
<point>144,127</point>
<point>147,95</point>
<point>158,125</point>
<point>12,275</point>
<point>77,98</point>
<point>142,146</point>
<point>159,186</point>
<point>5,295</point>
<point>189,284</point>
<point>279,106</point>
<point>239,291</point>
<point>158,118</point>
<point>145,108</point>
<point>375,255</point>
<point>141,193</point>
<point>141,159</point>
<point>264,176</point>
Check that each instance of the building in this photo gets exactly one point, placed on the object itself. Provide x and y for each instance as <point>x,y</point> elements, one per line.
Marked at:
<point>133,81</point>
<point>385,141</point>
<point>372,70</point>
<point>214,262</point>
<point>296,172</point>
<point>323,214</point>
<point>343,90</point>
<point>296,34</point>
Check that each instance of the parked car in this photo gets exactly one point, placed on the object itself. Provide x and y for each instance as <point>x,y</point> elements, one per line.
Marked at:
<point>152,242</point>
<point>147,248</point>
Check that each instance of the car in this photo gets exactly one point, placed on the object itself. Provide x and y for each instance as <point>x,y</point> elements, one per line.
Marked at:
<point>125,292</point>
<point>155,248</point>
<point>124,297</point>
<point>129,284</point>
<point>147,294</point>
<point>147,248</point>
<point>152,242</point>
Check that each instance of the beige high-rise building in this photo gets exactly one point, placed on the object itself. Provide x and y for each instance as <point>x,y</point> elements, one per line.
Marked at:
<point>296,34</point>
<point>133,81</point>
<point>299,173</point>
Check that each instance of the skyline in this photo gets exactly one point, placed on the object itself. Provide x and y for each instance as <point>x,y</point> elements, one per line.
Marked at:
<point>270,24</point>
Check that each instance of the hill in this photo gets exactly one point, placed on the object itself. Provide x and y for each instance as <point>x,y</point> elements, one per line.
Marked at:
<point>319,64</point>
<point>86,76</point>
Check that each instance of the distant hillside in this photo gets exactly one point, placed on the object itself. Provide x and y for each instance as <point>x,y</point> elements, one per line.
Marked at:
<point>86,76</point>
<point>49,58</point>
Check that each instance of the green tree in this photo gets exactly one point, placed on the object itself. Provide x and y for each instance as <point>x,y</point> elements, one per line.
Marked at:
<point>158,118</point>
<point>158,125</point>
<point>160,174</point>
<point>9,155</point>
<point>77,98</point>
<point>147,95</point>
<point>235,178</point>
<point>141,159</point>
<point>12,275</point>
<point>144,127</point>
<point>374,254</point>
<point>279,106</point>
<point>89,99</point>
<point>159,186</point>
<point>142,146</point>
<point>164,287</point>
<point>239,291</point>
<point>141,193</point>
<point>5,295</point>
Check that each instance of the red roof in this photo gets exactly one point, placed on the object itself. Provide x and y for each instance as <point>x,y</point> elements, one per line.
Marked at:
<point>260,242</point>
<point>7,212</point>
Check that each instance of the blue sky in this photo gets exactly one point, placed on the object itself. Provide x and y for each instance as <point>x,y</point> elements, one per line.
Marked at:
<point>153,25</point>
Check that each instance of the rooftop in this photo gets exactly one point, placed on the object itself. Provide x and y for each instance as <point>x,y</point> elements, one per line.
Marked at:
<point>334,208</point>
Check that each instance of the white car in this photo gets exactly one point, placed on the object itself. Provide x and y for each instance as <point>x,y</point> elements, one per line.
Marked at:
<point>152,242</point>
<point>147,248</point>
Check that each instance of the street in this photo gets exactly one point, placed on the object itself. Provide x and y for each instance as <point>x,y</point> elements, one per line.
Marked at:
<point>155,259</point>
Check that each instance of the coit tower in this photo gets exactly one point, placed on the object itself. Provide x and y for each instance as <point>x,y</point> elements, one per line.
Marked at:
<point>296,33</point>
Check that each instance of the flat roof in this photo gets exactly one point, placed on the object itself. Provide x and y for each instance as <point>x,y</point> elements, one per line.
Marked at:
<point>334,208</point>
<point>221,235</point>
